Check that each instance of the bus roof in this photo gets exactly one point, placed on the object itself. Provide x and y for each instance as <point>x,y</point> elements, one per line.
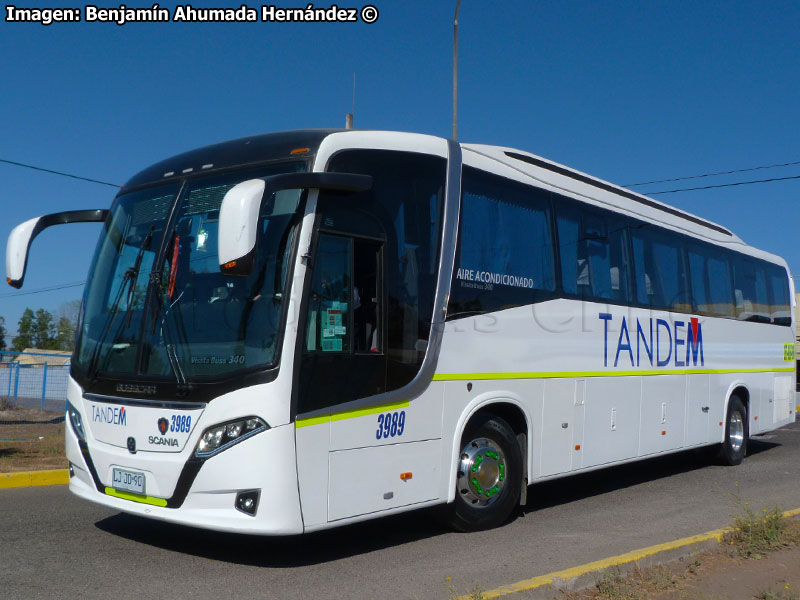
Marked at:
<point>241,152</point>
<point>258,149</point>
<point>575,181</point>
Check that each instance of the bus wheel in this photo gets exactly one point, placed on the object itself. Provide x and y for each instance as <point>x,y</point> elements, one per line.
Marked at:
<point>733,449</point>
<point>489,475</point>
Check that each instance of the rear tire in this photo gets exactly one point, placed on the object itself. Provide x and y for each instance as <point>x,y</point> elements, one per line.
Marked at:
<point>734,447</point>
<point>489,476</point>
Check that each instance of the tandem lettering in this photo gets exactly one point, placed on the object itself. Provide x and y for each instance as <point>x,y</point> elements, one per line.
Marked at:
<point>667,345</point>
<point>115,415</point>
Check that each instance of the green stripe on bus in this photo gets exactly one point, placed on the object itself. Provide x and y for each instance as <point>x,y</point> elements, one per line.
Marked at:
<point>312,421</point>
<point>557,374</point>
<point>350,414</point>
<point>373,410</point>
<point>136,497</point>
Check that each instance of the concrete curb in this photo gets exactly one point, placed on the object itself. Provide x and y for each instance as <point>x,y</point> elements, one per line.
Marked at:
<point>583,576</point>
<point>30,478</point>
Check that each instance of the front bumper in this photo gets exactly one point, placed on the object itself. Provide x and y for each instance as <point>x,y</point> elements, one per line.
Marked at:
<point>199,493</point>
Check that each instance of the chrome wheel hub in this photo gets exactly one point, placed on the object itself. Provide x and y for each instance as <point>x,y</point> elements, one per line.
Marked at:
<point>482,472</point>
<point>736,431</point>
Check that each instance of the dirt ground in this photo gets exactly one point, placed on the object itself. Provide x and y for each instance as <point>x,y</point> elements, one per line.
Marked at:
<point>33,445</point>
<point>714,575</point>
<point>719,577</point>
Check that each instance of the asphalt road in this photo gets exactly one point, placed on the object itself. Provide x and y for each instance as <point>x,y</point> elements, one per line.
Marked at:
<point>53,545</point>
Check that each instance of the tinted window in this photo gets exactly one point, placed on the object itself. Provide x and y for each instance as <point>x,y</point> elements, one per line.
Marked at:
<point>594,263</point>
<point>329,304</point>
<point>697,269</point>
<point>660,270</point>
<point>750,290</point>
<point>719,286</point>
<point>402,213</point>
<point>780,303</point>
<point>504,256</point>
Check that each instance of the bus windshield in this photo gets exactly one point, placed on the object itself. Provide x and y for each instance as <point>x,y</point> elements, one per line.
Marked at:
<point>156,305</point>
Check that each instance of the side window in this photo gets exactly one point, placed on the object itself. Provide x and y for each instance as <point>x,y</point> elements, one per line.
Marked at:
<point>328,321</point>
<point>504,256</point>
<point>660,270</point>
<point>697,270</point>
<point>780,303</point>
<point>594,261</point>
<point>719,285</point>
<point>750,290</point>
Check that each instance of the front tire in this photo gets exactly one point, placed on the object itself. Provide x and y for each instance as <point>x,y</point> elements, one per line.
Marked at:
<point>489,475</point>
<point>734,447</point>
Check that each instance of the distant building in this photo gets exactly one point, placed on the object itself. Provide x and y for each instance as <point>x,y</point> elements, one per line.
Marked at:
<point>53,358</point>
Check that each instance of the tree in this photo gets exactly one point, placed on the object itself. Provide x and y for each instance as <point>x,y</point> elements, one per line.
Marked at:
<point>40,330</point>
<point>68,313</point>
<point>2,333</point>
<point>25,331</point>
<point>65,334</point>
<point>43,336</point>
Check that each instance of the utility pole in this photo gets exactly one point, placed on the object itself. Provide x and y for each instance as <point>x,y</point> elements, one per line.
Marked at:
<point>455,72</point>
<point>348,120</point>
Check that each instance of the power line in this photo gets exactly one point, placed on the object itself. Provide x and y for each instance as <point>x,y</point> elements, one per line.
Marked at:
<point>44,289</point>
<point>19,164</point>
<point>713,174</point>
<point>721,185</point>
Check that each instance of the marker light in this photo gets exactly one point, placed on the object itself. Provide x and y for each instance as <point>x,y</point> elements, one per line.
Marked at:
<point>220,437</point>
<point>75,420</point>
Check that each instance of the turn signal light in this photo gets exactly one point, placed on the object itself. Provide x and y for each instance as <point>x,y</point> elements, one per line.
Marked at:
<point>406,476</point>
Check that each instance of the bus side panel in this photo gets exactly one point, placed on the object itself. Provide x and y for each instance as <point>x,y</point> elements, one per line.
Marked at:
<point>368,480</point>
<point>663,413</point>
<point>560,410</point>
<point>613,410</point>
<point>698,409</point>
<point>385,458</point>
<point>312,472</point>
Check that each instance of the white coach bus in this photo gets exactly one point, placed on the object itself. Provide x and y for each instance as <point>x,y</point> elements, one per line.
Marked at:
<point>299,330</point>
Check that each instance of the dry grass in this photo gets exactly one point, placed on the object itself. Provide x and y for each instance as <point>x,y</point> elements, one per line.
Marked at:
<point>756,534</point>
<point>30,446</point>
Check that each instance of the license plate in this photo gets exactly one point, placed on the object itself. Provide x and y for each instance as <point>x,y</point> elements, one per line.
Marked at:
<point>129,481</point>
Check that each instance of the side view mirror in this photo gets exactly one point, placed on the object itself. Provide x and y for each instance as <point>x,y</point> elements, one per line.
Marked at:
<point>238,213</point>
<point>19,241</point>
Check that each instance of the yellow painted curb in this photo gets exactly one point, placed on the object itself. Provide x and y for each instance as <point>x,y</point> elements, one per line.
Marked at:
<point>613,561</point>
<point>29,478</point>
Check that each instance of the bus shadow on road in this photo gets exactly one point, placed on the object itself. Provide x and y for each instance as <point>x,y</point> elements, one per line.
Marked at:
<point>278,552</point>
<point>606,480</point>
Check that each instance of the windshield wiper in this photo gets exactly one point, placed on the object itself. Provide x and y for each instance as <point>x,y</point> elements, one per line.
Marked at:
<point>134,274</point>
<point>157,293</point>
<point>128,279</point>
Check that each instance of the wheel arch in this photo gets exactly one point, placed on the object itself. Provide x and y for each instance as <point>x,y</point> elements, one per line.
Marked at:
<point>507,406</point>
<point>742,391</point>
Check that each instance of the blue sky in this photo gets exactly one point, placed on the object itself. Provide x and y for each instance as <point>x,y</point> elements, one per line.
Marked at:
<point>626,91</point>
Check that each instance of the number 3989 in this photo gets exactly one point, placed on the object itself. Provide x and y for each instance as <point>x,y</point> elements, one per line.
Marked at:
<point>391,425</point>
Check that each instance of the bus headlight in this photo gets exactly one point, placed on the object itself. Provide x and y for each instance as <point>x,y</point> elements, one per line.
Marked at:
<point>220,437</point>
<point>76,422</point>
